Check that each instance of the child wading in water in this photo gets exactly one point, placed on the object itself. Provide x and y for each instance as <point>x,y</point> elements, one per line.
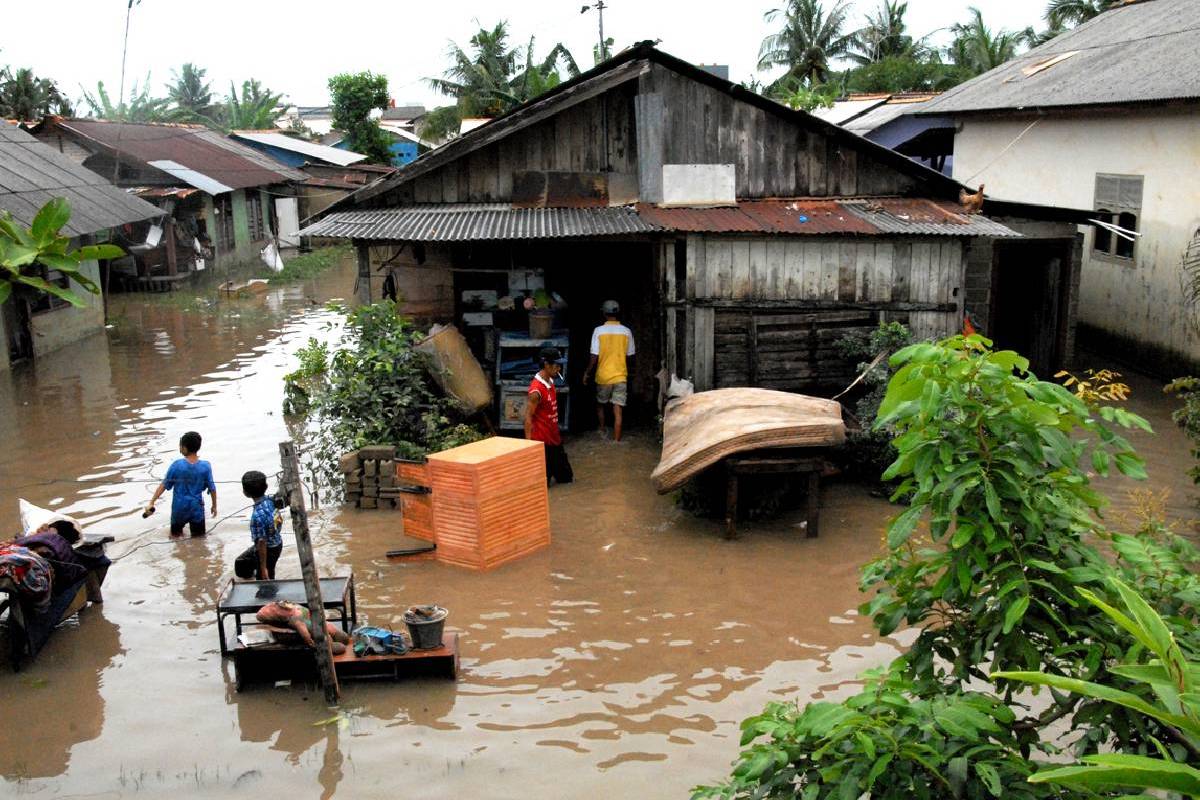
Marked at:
<point>259,560</point>
<point>187,478</point>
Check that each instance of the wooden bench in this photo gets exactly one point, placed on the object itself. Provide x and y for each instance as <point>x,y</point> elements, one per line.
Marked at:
<point>783,462</point>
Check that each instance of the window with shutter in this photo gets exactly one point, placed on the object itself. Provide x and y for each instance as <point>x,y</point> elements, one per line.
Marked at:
<point>1118,201</point>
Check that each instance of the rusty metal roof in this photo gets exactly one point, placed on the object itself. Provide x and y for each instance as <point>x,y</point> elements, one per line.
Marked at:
<point>193,148</point>
<point>32,173</point>
<point>861,216</point>
<point>468,222</point>
<point>175,192</point>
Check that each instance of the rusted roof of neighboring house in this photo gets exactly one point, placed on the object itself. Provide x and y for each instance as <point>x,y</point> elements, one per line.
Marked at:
<point>804,216</point>
<point>176,192</point>
<point>202,158</point>
<point>1141,52</point>
<point>479,222</point>
<point>296,145</point>
<point>32,173</point>
<point>466,222</point>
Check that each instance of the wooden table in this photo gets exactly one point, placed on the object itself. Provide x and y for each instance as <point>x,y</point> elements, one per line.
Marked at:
<point>247,597</point>
<point>266,663</point>
<point>780,462</point>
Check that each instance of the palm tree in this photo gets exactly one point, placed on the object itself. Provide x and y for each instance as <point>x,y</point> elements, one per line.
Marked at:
<point>535,78</point>
<point>978,48</point>
<point>255,110</point>
<point>140,108</point>
<point>809,39</point>
<point>191,94</point>
<point>25,96</point>
<point>883,36</point>
<point>1062,14</point>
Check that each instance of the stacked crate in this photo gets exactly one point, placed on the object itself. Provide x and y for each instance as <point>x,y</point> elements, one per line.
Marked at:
<point>489,502</point>
<point>418,508</point>
<point>370,474</point>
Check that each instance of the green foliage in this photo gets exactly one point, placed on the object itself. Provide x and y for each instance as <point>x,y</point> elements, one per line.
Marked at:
<point>141,107</point>
<point>309,265</point>
<point>869,449</point>
<point>256,109</point>
<point>25,253</point>
<point>1170,679</point>
<point>299,384</point>
<point>1188,417</point>
<point>24,96</point>
<point>1063,14</point>
<point>905,74</point>
<point>794,93</point>
<point>354,97</point>
<point>191,96</point>
<point>377,391</point>
<point>978,48</point>
<point>809,38</point>
<point>885,35</point>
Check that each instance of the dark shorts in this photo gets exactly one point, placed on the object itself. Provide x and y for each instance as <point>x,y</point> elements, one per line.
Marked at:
<point>195,527</point>
<point>558,466</point>
<point>246,564</point>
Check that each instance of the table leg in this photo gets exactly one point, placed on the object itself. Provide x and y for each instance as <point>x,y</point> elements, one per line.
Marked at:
<point>353,604</point>
<point>814,504</point>
<point>731,499</point>
<point>221,633</point>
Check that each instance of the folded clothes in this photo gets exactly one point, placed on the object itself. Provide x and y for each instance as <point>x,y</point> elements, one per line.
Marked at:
<point>30,573</point>
<point>67,566</point>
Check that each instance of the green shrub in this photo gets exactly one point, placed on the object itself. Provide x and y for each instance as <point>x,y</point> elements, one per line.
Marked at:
<point>1188,417</point>
<point>868,450</point>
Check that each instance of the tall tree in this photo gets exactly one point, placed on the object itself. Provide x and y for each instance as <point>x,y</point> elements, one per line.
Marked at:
<point>354,96</point>
<point>191,94</point>
<point>1061,14</point>
<point>884,35</point>
<point>140,108</point>
<point>25,96</point>
<point>808,40</point>
<point>977,48</point>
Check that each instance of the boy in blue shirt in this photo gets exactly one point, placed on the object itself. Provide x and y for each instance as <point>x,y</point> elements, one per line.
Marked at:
<point>187,478</point>
<point>259,560</point>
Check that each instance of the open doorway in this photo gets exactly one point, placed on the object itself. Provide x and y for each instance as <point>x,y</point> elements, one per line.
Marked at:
<point>1030,311</point>
<point>18,334</point>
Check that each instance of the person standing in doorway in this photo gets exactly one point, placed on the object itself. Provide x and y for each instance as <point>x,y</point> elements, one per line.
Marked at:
<point>611,351</point>
<point>541,416</point>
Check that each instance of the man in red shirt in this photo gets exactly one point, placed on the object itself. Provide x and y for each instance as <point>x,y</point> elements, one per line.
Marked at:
<point>541,417</point>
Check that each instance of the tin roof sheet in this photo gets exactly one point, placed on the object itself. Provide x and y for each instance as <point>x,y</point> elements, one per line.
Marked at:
<point>321,152</point>
<point>32,173</point>
<point>478,222</point>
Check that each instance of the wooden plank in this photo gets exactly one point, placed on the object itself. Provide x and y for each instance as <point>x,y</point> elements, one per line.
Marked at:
<point>817,170</point>
<point>727,135</point>
<point>671,344</point>
<point>719,259</point>
<point>793,270</point>
<point>775,285</point>
<point>881,288</point>
<point>919,273</point>
<point>783,164</point>
<point>508,156</point>
<point>689,344</point>
<point>901,271</point>
<point>830,252</point>
<point>740,280</point>
<point>449,175</point>
<point>697,279</point>
<point>864,276</point>
<point>799,144</point>
<point>741,123</point>
<point>758,165</point>
<point>760,276</point>
<point>810,287</point>
<point>649,127</point>
<point>704,348</point>
<point>847,263</point>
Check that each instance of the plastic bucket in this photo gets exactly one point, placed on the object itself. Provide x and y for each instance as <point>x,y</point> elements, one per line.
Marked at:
<point>425,628</point>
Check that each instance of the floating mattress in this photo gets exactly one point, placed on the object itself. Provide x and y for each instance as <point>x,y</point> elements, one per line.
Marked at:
<point>703,428</point>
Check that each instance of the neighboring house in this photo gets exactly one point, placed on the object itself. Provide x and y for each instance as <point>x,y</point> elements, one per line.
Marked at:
<point>32,174</point>
<point>318,119</point>
<point>1106,117</point>
<point>892,121</point>
<point>399,122</point>
<point>741,238</point>
<point>218,193</point>
<point>326,184</point>
<point>293,151</point>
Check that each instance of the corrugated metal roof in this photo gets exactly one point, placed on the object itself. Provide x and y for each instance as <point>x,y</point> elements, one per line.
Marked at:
<point>195,148</point>
<point>176,192</point>
<point>478,222</point>
<point>331,155</point>
<point>1137,53</point>
<point>487,221</point>
<point>191,177</point>
<point>31,174</point>
<point>861,216</point>
<point>843,111</point>
<point>881,115</point>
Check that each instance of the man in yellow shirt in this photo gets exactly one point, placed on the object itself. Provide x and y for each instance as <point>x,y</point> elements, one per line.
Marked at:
<point>612,347</point>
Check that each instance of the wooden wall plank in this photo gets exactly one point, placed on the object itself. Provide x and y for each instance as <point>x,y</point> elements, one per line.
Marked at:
<point>830,253</point>
<point>697,279</point>
<point>670,345</point>
<point>719,256</point>
<point>864,276</point>
<point>817,172</point>
<point>758,157</point>
<point>703,347</point>
<point>741,280</point>
<point>901,271</point>
<point>919,275</point>
<point>741,134</point>
<point>810,287</point>
<point>793,269</point>
<point>847,262</point>
<point>799,143</point>
<point>649,126</point>
<point>760,271</point>
<point>883,278</point>
<point>775,283</point>
<point>450,182</point>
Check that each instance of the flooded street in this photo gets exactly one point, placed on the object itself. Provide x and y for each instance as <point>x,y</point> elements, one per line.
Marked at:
<point>618,661</point>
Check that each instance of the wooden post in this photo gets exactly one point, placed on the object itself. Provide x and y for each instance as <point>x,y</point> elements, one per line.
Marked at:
<point>169,237</point>
<point>312,588</point>
<point>363,281</point>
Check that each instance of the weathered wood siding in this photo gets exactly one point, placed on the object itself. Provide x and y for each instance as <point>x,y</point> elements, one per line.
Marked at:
<point>767,311</point>
<point>573,140</point>
<point>681,121</point>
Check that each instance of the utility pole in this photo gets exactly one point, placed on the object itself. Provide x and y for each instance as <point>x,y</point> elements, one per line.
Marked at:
<point>124,51</point>
<point>294,491</point>
<point>599,5</point>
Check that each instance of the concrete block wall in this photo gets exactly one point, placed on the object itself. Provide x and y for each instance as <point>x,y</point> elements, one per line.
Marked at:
<point>978,284</point>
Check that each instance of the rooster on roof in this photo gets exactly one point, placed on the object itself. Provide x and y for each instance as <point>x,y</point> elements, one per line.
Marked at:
<point>971,203</point>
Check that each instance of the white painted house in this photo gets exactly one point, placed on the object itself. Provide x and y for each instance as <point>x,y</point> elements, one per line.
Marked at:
<point>1104,117</point>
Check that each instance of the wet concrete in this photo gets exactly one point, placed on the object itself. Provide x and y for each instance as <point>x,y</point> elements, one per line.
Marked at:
<point>620,660</point>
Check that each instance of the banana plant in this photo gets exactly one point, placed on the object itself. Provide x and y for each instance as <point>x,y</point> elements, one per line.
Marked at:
<point>25,252</point>
<point>1173,682</point>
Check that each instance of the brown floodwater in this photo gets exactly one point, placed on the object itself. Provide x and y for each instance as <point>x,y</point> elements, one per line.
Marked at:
<point>619,660</point>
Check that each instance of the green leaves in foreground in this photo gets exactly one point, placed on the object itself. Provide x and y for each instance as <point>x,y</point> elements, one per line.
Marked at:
<point>25,254</point>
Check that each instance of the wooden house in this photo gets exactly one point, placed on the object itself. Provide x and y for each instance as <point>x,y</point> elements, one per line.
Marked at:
<point>741,237</point>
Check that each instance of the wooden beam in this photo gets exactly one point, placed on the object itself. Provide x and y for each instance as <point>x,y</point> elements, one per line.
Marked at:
<point>815,305</point>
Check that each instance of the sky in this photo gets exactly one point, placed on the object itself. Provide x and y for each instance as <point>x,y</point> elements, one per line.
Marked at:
<point>294,46</point>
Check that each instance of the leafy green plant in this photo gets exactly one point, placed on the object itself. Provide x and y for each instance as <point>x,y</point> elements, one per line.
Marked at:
<point>1172,679</point>
<point>299,384</point>
<point>1188,417</point>
<point>869,449</point>
<point>354,96</point>
<point>376,390</point>
<point>26,253</point>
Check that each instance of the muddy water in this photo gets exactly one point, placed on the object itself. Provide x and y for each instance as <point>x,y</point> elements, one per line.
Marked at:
<point>620,660</point>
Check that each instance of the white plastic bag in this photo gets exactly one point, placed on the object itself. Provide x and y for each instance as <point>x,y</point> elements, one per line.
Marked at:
<point>34,518</point>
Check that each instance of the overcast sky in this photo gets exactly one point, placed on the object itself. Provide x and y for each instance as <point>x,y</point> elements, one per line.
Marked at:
<point>293,46</point>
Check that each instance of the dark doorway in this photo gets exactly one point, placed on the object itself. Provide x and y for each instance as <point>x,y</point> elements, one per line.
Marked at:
<point>1030,301</point>
<point>17,332</point>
